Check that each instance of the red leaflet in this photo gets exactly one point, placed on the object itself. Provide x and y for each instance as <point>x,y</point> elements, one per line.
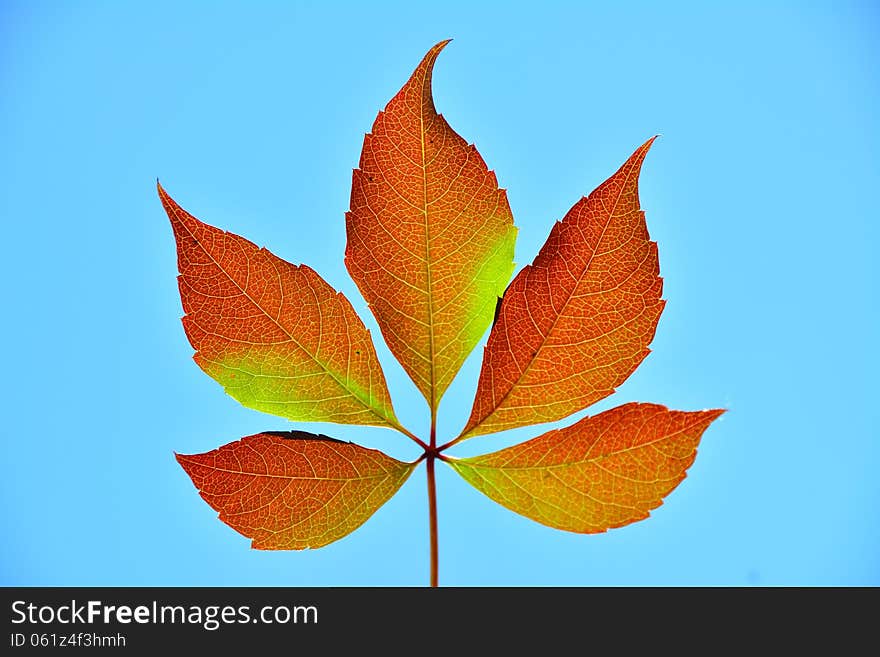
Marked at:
<point>294,490</point>
<point>275,335</point>
<point>574,324</point>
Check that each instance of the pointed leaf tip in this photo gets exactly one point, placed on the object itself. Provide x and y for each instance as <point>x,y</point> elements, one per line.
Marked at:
<point>649,143</point>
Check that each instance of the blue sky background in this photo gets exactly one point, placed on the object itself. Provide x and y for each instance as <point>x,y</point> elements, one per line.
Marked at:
<point>761,193</point>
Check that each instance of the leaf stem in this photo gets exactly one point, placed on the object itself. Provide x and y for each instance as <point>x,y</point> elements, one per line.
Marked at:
<point>449,444</point>
<point>432,512</point>
<point>432,500</point>
<point>409,434</point>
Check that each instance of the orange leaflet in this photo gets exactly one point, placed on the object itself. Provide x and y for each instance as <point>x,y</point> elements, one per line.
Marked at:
<point>574,324</point>
<point>294,490</point>
<point>602,472</point>
<point>275,335</point>
<point>430,236</point>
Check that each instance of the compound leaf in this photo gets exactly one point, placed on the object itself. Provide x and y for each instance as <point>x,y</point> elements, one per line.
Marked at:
<point>430,243</point>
